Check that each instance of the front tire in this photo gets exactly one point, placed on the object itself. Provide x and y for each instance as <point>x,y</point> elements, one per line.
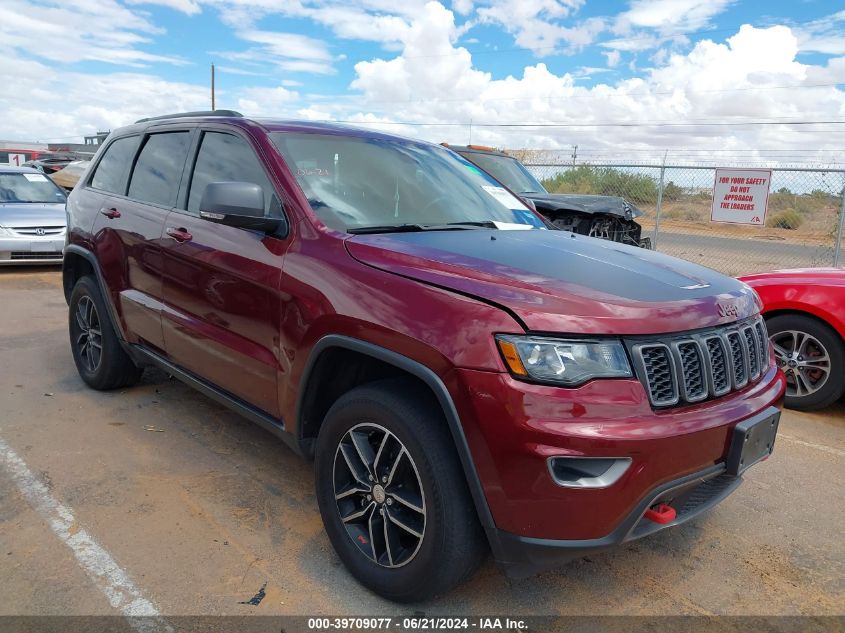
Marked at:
<point>392,493</point>
<point>812,355</point>
<point>100,359</point>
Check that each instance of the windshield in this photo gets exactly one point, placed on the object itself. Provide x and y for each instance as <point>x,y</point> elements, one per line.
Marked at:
<point>508,171</point>
<point>18,187</point>
<point>352,183</point>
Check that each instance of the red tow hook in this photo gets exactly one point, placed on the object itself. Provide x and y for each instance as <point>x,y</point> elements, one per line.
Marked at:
<point>661,513</point>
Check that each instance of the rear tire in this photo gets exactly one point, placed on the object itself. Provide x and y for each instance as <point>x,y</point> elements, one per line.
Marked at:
<point>425,490</point>
<point>801,344</point>
<point>100,359</point>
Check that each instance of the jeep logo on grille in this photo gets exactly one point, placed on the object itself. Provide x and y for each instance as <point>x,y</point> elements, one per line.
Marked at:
<point>40,231</point>
<point>728,309</point>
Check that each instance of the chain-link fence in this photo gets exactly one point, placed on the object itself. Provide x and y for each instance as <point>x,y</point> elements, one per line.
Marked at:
<point>803,224</point>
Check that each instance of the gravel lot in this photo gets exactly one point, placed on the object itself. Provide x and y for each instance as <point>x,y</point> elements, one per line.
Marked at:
<point>206,509</point>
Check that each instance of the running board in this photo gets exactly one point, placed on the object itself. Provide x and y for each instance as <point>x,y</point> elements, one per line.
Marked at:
<point>253,414</point>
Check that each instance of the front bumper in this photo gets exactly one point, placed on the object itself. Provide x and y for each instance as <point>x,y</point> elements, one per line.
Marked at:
<point>513,427</point>
<point>522,556</point>
<point>32,249</point>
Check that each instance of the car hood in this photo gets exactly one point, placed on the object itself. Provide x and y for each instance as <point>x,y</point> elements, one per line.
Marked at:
<point>583,203</point>
<point>26,214</point>
<point>824,276</point>
<point>555,281</point>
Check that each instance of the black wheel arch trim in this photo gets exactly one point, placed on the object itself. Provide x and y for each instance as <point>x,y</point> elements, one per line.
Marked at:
<point>444,398</point>
<point>75,249</point>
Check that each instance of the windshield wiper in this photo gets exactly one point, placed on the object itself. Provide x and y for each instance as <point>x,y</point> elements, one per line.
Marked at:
<point>386,228</point>
<point>410,228</point>
<point>451,226</point>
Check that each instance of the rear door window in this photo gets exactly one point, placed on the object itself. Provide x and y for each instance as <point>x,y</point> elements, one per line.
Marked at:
<point>113,168</point>
<point>229,158</point>
<point>158,170</point>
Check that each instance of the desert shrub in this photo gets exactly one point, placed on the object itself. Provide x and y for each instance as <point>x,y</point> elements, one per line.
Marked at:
<point>685,214</point>
<point>805,204</point>
<point>672,191</point>
<point>604,181</point>
<point>789,219</point>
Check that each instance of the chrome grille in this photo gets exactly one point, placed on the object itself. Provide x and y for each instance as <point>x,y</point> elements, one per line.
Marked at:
<point>37,231</point>
<point>694,366</point>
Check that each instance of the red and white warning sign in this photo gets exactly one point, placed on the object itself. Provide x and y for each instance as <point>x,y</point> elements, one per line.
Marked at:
<point>740,196</point>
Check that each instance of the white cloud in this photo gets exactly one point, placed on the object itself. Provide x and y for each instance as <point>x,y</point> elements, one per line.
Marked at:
<point>291,52</point>
<point>288,45</point>
<point>231,70</point>
<point>823,36</point>
<point>188,7</point>
<point>429,65</point>
<point>536,25</point>
<point>431,78</point>
<point>741,79</point>
<point>80,30</point>
<point>671,15</point>
<point>370,20</point>
<point>49,103</point>
<point>613,58</point>
<point>266,101</point>
<point>464,7</point>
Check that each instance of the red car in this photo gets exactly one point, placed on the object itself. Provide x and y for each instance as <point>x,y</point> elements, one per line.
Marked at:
<point>465,377</point>
<point>805,315</point>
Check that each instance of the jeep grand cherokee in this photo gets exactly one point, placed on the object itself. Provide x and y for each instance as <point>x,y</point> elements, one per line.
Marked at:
<point>465,379</point>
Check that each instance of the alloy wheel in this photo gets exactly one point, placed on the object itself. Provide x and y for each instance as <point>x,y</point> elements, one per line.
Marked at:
<point>379,495</point>
<point>803,359</point>
<point>89,341</point>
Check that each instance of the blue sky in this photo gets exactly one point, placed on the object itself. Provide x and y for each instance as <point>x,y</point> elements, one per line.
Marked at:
<point>82,65</point>
<point>199,38</point>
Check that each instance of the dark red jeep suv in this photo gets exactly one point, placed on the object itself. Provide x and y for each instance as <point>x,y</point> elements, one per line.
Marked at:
<point>465,377</point>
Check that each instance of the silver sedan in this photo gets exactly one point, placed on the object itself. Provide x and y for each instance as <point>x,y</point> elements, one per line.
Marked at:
<point>32,217</point>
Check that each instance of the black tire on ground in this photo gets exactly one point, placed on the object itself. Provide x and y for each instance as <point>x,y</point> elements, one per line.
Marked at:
<point>831,389</point>
<point>102,363</point>
<point>453,543</point>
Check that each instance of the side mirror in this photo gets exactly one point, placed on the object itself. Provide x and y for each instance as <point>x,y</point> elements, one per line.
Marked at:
<point>237,204</point>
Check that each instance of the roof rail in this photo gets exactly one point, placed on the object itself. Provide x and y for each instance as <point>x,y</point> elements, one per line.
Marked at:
<point>180,115</point>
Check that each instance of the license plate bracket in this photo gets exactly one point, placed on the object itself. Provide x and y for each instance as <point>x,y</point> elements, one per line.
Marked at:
<point>753,440</point>
<point>41,247</point>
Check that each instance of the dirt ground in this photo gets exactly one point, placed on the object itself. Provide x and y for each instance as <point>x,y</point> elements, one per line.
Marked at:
<point>206,509</point>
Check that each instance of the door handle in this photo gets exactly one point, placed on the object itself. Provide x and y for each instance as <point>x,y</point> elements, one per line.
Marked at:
<point>180,235</point>
<point>111,214</point>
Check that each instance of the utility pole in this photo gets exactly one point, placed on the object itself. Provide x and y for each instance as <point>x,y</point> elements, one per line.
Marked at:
<point>574,154</point>
<point>212,88</point>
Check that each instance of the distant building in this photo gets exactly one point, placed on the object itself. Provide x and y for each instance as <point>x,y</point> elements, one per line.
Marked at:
<point>19,152</point>
<point>89,145</point>
<point>22,145</point>
<point>16,153</point>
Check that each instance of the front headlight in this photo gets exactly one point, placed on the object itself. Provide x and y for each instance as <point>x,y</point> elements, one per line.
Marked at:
<point>5,232</point>
<point>565,362</point>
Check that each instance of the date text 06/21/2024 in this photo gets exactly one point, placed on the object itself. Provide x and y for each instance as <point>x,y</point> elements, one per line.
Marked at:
<point>417,624</point>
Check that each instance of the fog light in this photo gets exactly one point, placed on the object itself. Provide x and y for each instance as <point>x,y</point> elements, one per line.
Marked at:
<point>587,472</point>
